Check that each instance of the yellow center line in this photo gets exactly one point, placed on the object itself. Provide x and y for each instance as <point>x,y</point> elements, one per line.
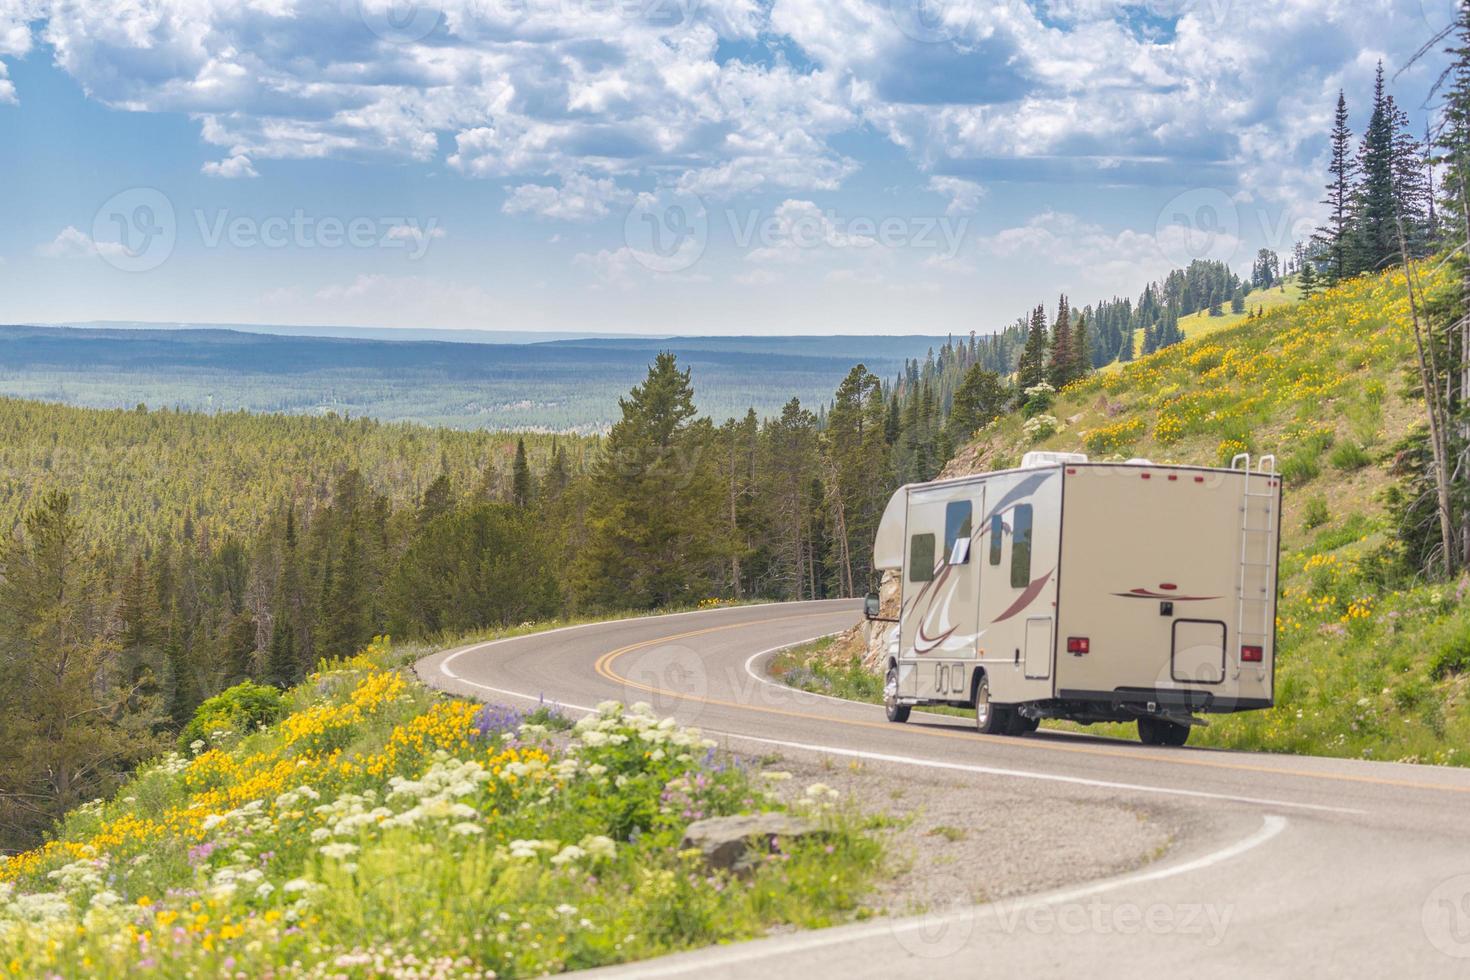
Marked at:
<point>604,663</point>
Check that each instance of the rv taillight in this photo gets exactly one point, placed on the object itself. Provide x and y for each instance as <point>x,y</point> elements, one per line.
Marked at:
<point>1078,645</point>
<point>1251,654</point>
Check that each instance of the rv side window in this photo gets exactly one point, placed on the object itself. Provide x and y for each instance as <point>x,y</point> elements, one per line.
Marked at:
<point>921,558</point>
<point>997,532</point>
<point>1021,547</point>
<point>957,528</point>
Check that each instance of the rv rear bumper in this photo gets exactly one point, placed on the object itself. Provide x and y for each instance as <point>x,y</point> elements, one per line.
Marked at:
<point>1127,701</point>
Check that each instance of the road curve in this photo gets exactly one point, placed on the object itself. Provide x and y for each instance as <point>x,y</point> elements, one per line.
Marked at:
<point>1299,866</point>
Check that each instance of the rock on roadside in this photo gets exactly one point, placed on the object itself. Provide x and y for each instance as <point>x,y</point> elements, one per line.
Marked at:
<point>727,842</point>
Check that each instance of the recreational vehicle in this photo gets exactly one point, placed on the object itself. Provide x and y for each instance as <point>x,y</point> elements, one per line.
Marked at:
<point>1090,591</point>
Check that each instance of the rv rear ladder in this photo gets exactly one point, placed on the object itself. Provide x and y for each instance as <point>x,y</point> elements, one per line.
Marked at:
<point>1265,594</point>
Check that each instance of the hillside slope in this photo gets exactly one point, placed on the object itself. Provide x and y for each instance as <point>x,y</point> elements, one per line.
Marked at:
<point>361,825</point>
<point>1369,663</point>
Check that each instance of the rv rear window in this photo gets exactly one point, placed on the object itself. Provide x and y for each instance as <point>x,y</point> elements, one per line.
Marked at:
<point>1021,547</point>
<point>921,558</point>
<point>957,528</point>
<point>997,535</point>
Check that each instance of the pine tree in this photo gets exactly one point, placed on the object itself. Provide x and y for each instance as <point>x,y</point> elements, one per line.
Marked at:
<point>654,533</point>
<point>1308,278</point>
<point>558,475</point>
<point>1374,239</point>
<point>520,480</point>
<point>1333,237</point>
<point>1411,183</point>
<point>437,500</point>
<point>978,401</point>
<point>1061,363</point>
<point>69,725</point>
<point>1031,370</point>
<point>1081,349</point>
<point>1237,300</point>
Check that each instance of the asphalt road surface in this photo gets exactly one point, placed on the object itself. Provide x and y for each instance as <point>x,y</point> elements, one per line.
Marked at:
<point>1293,866</point>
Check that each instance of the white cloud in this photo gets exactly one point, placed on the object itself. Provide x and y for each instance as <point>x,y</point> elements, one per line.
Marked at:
<point>964,195</point>
<point>1224,94</point>
<point>232,167</point>
<point>414,232</point>
<point>15,41</point>
<point>73,243</point>
<point>1119,261</point>
<point>627,266</point>
<point>579,198</point>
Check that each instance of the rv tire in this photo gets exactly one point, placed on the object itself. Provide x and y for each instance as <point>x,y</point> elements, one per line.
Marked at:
<point>1021,725</point>
<point>1157,731</point>
<point>990,719</point>
<point>897,713</point>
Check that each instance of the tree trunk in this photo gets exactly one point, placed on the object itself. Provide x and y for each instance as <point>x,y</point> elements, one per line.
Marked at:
<point>1436,414</point>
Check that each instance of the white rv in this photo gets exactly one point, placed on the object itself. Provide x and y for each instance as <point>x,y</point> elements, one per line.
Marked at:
<point>1089,591</point>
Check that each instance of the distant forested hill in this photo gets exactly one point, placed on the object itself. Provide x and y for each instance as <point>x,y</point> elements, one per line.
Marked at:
<point>135,477</point>
<point>570,385</point>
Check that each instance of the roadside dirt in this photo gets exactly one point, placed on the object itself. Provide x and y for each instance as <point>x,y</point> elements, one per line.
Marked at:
<point>952,841</point>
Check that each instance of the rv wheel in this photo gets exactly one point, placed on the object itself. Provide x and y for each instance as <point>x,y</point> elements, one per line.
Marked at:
<point>1157,731</point>
<point>990,719</point>
<point>1021,725</point>
<point>897,713</point>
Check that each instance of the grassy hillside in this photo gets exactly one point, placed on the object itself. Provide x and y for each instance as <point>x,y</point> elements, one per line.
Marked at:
<point>1369,664</point>
<point>1201,323</point>
<point>373,827</point>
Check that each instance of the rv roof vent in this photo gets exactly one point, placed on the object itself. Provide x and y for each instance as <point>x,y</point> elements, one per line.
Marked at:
<point>1139,461</point>
<point>1051,459</point>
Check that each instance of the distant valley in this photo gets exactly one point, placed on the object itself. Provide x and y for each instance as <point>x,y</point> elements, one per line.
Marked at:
<point>495,382</point>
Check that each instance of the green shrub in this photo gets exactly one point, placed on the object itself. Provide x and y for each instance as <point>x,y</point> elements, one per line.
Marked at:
<point>1349,456</point>
<point>1316,514</point>
<point>1300,468</point>
<point>1452,658</point>
<point>240,709</point>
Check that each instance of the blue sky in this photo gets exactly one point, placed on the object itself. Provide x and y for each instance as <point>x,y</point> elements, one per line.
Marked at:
<point>691,166</point>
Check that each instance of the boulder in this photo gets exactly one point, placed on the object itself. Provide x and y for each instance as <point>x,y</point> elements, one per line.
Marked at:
<point>737,843</point>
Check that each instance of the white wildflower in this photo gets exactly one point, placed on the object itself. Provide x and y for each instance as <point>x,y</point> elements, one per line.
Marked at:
<point>600,847</point>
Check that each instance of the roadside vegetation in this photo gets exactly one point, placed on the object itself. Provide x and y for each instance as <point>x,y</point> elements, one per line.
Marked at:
<point>360,824</point>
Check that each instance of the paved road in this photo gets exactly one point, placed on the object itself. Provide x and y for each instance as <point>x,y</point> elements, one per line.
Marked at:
<point>1293,867</point>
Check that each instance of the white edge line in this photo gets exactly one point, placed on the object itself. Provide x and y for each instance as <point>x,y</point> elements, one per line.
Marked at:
<point>1029,774</point>
<point>701,961</point>
<point>473,647</point>
<point>801,692</point>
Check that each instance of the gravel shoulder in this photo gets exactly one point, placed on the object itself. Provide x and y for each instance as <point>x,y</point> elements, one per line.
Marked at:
<point>952,840</point>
